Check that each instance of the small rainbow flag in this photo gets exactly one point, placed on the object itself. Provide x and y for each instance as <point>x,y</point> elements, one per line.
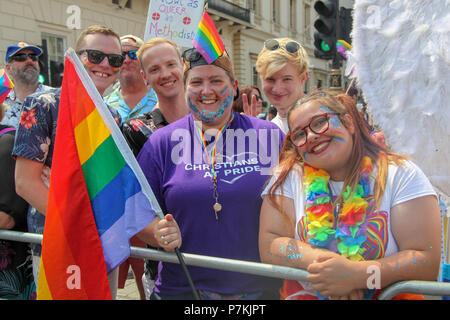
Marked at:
<point>207,40</point>
<point>98,196</point>
<point>6,85</point>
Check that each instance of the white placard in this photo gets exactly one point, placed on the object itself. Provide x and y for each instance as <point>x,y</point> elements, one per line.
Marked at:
<point>176,20</point>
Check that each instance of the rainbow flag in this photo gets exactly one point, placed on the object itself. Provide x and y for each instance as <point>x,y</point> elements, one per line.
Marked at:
<point>6,85</point>
<point>207,40</point>
<point>98,196</point>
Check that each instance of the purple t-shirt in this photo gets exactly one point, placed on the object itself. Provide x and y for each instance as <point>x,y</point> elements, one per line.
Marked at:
<point>180,178</point>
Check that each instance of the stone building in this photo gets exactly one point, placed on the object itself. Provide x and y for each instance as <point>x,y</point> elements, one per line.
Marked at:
<point>244,25</point>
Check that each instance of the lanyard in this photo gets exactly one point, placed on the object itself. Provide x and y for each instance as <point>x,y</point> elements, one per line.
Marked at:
<point>212,161</point>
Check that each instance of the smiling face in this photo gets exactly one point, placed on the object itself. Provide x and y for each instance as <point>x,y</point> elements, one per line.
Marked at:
<point>102,74</point>
<point>284,87</point>
<point>210,94</point>
<point>330,150</point>
<point>163,70</point>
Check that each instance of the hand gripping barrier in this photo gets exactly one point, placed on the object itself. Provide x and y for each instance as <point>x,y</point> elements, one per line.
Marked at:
<point>261,269</point>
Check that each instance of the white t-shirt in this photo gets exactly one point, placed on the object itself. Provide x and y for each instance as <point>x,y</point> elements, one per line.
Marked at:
<point>281,122</point>
<point>403,183</point>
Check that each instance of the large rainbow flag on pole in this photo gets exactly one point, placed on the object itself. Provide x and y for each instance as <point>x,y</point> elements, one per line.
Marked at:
<point>98,195</point>
<point>207,40</point>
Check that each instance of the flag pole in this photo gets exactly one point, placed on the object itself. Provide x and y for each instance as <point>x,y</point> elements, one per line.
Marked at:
<point>187,274</point>
<point>127,153</point>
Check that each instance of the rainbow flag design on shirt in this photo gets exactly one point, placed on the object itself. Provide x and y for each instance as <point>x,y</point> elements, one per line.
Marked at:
<point>207,40</point>
<point>6,85</point>
<point>98,195</point>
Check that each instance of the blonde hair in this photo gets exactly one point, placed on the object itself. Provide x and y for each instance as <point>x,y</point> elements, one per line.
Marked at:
<point>153,43</point>
<point>272,61</point>
<point>94,30</point>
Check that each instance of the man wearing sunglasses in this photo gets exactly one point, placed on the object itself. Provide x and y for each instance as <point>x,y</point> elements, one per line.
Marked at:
<point>22,66</point>
<point>132,97</point>
<point>99,50</point>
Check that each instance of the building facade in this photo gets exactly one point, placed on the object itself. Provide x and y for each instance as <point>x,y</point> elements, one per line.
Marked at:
<point>244,25</point>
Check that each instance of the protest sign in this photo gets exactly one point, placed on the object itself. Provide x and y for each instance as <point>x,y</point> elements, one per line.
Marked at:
<point>176,20</point>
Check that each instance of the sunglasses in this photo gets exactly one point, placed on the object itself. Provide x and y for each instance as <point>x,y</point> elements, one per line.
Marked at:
<point>319,124</point>
<point>96,57</point>
<point>132,54</point>
<point>272,45</point>
<point>21,57</point>
<point>191,55</point>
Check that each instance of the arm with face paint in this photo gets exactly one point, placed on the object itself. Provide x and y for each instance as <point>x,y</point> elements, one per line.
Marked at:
<point>278,245</point>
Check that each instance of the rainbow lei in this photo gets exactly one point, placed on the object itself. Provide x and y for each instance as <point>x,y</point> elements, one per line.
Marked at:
<point>350,234</point>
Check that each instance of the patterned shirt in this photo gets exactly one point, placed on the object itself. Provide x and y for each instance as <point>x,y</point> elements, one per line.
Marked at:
<point>14,107</point>
<point>115,100</point>
<point>35,139</point>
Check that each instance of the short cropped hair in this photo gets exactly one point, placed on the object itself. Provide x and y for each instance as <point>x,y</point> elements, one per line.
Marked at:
<point>154,42</point>
<point>272,61</point>
<point>94,30</point>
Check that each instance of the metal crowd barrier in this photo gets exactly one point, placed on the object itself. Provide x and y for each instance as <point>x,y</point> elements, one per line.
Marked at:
<point>431,288</point>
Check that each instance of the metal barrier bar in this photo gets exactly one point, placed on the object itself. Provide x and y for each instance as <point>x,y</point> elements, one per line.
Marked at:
<point>432,288</point>
<point>255,268</point>
<point>261,269</point>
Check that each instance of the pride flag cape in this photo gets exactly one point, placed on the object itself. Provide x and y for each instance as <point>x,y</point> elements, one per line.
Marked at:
<point>207,40</point>
<point>98,196</point>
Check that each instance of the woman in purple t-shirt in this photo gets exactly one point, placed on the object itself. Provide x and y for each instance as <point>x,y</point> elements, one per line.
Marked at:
<point>208,170</point>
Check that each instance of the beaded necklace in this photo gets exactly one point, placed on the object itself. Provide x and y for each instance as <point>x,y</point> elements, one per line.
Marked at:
<point>350,233</point>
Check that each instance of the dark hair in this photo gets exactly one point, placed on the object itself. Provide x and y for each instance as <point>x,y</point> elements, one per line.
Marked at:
<point>352,91</point>
<point>273,110</point>
<point>238,105</point>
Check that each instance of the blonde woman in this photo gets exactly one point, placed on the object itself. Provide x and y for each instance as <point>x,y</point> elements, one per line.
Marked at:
<point>282,66</point>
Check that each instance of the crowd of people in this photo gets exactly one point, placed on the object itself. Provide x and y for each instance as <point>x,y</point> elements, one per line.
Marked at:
<point>305,185</point>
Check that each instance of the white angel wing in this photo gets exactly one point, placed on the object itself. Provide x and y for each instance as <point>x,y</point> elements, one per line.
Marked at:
<point>402,64</point>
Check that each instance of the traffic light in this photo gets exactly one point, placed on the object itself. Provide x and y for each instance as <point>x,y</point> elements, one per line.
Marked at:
<point>325,35</point>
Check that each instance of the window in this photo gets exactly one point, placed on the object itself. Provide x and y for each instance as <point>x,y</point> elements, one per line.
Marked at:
<point>293,15</point>
<point>275,11</point>
<point>307,22</point>
<point>122,3</point>
<point>252,5</point>
<point>52,67</point>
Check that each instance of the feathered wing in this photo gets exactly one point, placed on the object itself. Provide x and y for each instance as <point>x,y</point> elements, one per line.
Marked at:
<point>402,64</point>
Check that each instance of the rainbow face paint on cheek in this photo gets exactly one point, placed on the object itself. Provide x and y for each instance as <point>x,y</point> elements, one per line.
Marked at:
<point>225,88</point>
<point>339,138</point>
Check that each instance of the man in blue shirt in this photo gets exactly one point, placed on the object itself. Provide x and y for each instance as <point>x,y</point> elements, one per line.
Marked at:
<point>132,97</point>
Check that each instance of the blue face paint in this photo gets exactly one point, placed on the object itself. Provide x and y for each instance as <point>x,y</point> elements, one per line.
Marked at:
<point>210,116</point>
<point>305,156</point>
<point>334,120</point>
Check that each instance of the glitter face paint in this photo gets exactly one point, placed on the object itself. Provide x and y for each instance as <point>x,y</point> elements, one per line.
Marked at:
<point>334,120</point>
<point>210,116</point>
